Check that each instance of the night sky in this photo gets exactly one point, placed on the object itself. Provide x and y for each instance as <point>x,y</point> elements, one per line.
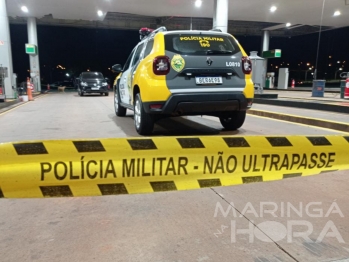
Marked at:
<point>79,49</point>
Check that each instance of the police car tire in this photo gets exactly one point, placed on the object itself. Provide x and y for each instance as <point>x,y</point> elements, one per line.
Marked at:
<point>234,121</point>
<point>121,111</point>
<point>106,94</point>
<point>146,120</point>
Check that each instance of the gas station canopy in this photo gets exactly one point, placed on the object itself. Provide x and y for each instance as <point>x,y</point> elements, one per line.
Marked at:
<point>295,12</point>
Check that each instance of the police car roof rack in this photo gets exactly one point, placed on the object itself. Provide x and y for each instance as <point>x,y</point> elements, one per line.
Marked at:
<point>160,29</point>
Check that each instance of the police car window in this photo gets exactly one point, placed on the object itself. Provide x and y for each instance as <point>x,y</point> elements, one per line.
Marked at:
<point>149,47</point>
<point>137,54</point>
<point>200,44</point>
<point>127,64</point>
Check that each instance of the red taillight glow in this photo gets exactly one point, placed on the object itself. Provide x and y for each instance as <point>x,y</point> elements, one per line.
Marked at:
<point>246,65</point>
<point>161,65</point>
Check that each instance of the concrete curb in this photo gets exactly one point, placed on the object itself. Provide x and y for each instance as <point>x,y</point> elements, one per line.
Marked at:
<point>305,105</point>
<point>301,120</point>
<point>305,89</point>
<point>9,104</point>
<point>266,96</point>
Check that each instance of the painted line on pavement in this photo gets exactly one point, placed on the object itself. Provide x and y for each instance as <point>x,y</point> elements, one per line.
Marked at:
<point>300,120</point>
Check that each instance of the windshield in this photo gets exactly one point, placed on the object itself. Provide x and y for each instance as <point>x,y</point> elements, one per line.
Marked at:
<point>200,44</point>
<point>92,75</point>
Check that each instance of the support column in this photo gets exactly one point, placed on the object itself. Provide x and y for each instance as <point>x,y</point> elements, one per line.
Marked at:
<point>215,14</point>
<point>34,59</point>
<point>220,15</point>
<point>5,50</point>
<point>265,47</point>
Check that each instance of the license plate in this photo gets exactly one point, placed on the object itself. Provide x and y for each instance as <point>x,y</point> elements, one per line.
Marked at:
<point>208,80</point>
<point>95,88</point>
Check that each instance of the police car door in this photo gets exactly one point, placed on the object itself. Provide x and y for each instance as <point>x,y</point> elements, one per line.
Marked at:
<point>134,65</point>
<point>127,76</point>
<point>123,86</point>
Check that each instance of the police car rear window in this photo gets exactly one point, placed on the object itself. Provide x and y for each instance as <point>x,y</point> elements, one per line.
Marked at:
<point>200,44</point>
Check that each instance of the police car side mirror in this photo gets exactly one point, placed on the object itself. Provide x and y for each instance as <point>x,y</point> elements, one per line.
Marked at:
<point>117,68</point>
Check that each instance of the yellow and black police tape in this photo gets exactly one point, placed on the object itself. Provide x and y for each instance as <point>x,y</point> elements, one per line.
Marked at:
<point>130,166</point>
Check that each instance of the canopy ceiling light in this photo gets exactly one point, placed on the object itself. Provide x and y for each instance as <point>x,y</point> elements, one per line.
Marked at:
<point>24,9</point>
<point>198,3</point>
<point>273,9</point>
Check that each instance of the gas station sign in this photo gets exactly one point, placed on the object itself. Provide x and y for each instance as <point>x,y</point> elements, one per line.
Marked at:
<point>31,49</point>
<point>272,53</point>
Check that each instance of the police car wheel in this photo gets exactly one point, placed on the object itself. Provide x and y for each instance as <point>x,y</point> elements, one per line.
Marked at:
<point>119,110</point>
<point>144,122</point>
<point>106,94</point>
<point>234,120</point>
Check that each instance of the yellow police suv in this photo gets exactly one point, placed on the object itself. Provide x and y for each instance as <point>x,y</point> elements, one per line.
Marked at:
<point>178,73</point>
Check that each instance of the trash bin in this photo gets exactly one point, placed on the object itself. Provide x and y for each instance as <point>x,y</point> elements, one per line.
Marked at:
<point>342,88</point>
<point>267,83</point>
<point>318,88</point>
<point>25,98</point>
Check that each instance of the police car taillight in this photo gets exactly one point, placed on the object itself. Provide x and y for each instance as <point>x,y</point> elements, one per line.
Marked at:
<point>161,65</point>
<point>246,65</point>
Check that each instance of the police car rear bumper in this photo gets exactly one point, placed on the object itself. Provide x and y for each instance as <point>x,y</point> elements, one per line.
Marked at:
<point>194,104</point>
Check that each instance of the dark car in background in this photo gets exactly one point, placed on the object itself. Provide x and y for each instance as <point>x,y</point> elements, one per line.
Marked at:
<point>92,82</point>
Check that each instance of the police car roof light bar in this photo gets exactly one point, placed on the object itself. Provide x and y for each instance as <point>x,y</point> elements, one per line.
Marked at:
<point>152,32</point>
<point>144,32</point>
